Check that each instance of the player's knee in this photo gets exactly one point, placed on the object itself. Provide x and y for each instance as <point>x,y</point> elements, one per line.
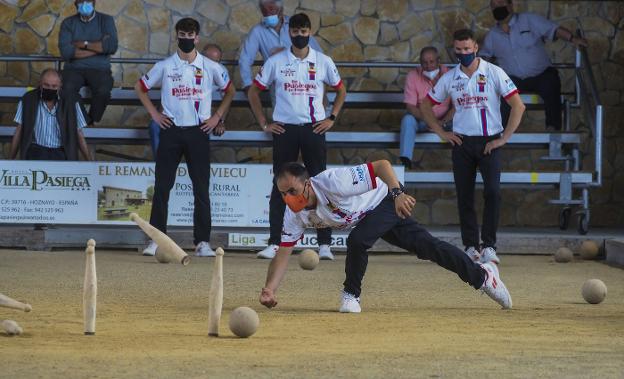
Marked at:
<point>356,243</point>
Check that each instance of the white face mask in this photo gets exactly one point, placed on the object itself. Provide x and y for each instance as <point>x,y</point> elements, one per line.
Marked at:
<point>431,74</point>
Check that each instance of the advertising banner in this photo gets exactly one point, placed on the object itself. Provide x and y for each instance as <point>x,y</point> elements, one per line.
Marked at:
<point>107,192</point>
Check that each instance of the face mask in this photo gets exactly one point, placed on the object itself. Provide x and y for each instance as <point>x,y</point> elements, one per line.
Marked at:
<point>500,13</point>
<point>296,203</point>
<point>186,44</point>
<point>270,21</point>
<point>86,8</point>
<point>431,74</point>
<point>49,94</point>
<point>466,59</point>
<point>300,41</point>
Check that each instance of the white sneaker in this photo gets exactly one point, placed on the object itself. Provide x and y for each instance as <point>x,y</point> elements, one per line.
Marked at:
<point>203,249</point>
<point>494,286</point>
<point>325,253</point>
<point>268,252</point>
<point>350,303</point>
<point>150,250</point>
<point>473,253</point>
<point>488,254</point>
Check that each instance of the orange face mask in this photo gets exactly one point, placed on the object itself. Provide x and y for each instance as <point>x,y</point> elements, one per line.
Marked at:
<point>296,203</point>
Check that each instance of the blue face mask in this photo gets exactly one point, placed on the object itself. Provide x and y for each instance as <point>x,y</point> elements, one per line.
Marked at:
<point>270,21</point>
<point>86,8</point>
<point>466,59</point>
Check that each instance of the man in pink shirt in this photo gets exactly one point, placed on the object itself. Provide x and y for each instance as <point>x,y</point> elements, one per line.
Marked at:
<point>418,83</point>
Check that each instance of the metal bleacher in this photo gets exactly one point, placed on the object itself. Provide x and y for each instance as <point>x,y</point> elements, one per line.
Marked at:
<point>562,146</point>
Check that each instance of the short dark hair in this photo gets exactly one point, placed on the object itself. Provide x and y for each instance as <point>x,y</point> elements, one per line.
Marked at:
<point>295,169</point>
<point>463,35</point>
<point>187,25</point>
<point>299,21</point>
<point>428,49</point>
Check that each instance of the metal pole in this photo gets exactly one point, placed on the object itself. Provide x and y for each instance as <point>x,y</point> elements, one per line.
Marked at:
<point>598,136</point>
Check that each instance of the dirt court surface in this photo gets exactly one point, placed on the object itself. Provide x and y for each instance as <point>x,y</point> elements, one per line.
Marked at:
<point>418,320</point>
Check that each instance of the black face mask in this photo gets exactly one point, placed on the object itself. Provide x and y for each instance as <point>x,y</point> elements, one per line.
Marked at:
<point>49,94</point>
<point>300,41</point>
<point>186,44</point>
<point>500,13</point>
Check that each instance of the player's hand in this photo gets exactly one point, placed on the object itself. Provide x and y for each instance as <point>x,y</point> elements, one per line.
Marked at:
<point>322,126</point>
<point>219,130</point>
<point>579,41</point>
<point>451,137</point>
<point>493,145</point>
<point>275,128</point>
<point>208,125</point>
<point>404,204</point>
<point>267,298</point>
<point>161,119</point>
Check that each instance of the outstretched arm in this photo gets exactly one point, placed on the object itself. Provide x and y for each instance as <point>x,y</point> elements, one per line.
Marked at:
<point>275,274</point>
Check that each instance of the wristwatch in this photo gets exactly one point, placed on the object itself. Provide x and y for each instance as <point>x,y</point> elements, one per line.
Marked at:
<point>332,117</point>
<point>395,192</point>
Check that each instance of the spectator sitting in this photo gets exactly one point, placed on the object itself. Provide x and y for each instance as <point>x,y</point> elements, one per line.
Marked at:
<point>86,42</point>
<point>214,53</point>
<point>49,127</point>
<point>517,44</point>
<point>418,83</point>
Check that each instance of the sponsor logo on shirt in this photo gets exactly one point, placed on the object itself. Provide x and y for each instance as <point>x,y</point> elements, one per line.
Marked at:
<point>287,72</point>
<point>510,84</point>
<point>185,93</point>
<point>295,87</point>
<point>175,77</point>
<point>458,87</point>
<point>467,101</point>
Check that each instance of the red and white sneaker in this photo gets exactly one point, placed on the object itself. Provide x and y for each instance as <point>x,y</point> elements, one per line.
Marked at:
<point>268,252</point>
<point>494,287</point>
<point>488,254</point>
<point>473,253</point>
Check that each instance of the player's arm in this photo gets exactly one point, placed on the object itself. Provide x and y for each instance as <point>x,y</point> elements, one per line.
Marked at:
<point>157,116</point>
<point>275,274</point>
<point>404,203</point>
<point>15,142</point>
<point>426,108</point>
<point>517,110</point>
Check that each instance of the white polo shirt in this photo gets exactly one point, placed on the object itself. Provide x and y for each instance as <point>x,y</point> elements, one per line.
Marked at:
<point>299,85</point>
<point>186,94</point>
<point>476,99</point>
<point>345,195</point>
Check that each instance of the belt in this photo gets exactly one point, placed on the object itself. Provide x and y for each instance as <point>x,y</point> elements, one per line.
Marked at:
<point>185,127</point>
<point>489,138</point>
<point>48,148</point>
<point>302,124</point>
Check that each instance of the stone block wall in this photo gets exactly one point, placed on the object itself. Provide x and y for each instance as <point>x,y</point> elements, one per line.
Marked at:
<point>351,30</point>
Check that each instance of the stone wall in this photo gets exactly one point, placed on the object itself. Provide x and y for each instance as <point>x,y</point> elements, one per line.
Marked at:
<point>352,30</point>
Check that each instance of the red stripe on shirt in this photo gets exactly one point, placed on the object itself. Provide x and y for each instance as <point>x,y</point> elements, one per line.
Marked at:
<point>259,85</point>
<point>227,86</point>
<point>338,85</point>
<point>143,85</point>
<point>510,94</point>
<point>484,121</point>
<point>371,172</point>
<point>434,101</point>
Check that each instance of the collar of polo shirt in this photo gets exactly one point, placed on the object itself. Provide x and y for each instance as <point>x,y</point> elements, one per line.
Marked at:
<point>311,57</point>
<point>198,62</point>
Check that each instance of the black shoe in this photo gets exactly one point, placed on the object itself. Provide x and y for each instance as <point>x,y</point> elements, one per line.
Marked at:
<point>407,163</point>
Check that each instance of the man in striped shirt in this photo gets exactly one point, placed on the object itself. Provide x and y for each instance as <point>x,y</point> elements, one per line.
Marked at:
<point>49,127</point>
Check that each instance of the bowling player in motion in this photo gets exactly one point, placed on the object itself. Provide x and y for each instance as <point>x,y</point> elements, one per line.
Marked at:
<point>370,199</point>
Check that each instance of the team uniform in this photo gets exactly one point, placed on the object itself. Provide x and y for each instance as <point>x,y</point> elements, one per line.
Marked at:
<point>300,85</point>
<point>186,98</point>
<point>355,197</point>
<point>477,119</point>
